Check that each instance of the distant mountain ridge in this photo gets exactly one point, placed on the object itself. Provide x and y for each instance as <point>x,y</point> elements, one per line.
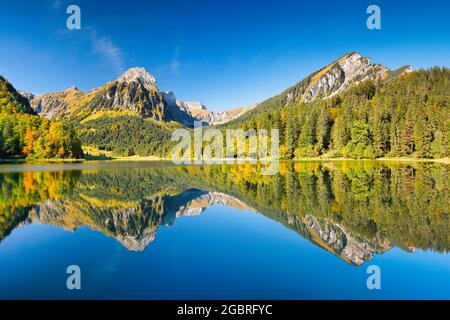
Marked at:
<point>344,109</point>
<point>136,91</point>
<point>195,111</point>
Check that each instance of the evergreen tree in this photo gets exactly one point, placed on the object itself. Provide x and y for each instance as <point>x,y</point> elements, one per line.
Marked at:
<point>422,138</point>
<point>340,136</point>
<point>323,130</point>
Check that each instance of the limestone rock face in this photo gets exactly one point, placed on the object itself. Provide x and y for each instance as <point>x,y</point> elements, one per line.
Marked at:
<point>187,112</point>
<point>342,74</point>
<point>134,91</point>
<point>56,105</point>
<point>217,118</point>
<point>190,106</point>
<point>128,225</point>
<point>198,112</point>
<point>346,72</point>
<point>138,75</point>
<point>196,206</point>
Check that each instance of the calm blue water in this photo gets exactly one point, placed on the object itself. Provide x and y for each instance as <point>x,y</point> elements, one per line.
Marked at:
<point>224,252</point>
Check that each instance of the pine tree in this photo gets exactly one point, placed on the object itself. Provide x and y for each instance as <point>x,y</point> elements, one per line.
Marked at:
<point>406,138</point>
<point>308,132</point>
<point>323,129</point>
<point>422,138</point>
<point>291,137</point>
<point>11,140</point>
<point>340,135</point>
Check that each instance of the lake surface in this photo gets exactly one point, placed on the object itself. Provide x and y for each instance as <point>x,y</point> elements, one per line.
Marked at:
<point>156,231</point>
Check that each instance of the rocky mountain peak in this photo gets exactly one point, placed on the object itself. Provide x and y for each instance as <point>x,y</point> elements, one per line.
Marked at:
<point>352,56</point>
<point>27,95</point>
<point>72,88</point>
<point>191,105</point>
<point>137,74</point>
<point>349,70</point>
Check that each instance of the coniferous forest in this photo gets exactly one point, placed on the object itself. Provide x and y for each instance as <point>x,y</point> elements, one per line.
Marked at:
<point>406,116</point>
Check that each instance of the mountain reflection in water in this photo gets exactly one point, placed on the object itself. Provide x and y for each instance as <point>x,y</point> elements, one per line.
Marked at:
<point>352,209</point>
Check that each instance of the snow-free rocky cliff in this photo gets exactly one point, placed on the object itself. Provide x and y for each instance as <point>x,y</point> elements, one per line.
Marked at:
<point>195,111</point>
<point>347,71</point>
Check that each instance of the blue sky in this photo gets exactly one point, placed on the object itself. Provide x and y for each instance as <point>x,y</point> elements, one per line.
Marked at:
<point>225,53</point>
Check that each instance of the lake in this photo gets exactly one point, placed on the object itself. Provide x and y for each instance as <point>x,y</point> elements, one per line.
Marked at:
<point>146,230</point>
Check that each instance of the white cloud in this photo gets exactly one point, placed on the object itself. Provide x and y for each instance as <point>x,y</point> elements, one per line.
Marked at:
<point>175,64</point>
<point>56,4</point>
<point>100,45</point>
<point>106,49</point>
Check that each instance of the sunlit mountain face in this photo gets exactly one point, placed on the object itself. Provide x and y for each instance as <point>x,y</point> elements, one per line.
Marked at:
<point>353,210</point>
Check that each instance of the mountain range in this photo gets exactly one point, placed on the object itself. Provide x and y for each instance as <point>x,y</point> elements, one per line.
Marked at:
<point>136,92</point>
<point>350,108</point>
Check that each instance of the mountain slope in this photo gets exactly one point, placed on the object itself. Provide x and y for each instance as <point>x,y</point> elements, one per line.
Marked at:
<point>351,108</point>
<point>126,134</point>
<point>127,116</point>
<point>56,105</point>
<point>135,91</point>
<point>11,99</point>
<point>23,134</point>
<point>342,74</point>
<point>406,114</point>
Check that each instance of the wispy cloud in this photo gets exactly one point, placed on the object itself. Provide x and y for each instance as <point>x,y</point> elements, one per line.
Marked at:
<point>56,4</point>
<point>105,48</point>
<point>99,45</point>
<point>175,64</point>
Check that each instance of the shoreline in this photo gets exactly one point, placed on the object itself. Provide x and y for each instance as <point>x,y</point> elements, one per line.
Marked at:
<point>382,159</point>
<point>158,159</point>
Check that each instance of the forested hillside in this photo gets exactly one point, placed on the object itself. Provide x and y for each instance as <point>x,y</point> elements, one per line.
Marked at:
<point>127,135</point>
<point>23,134</point>
<point>405,116</point>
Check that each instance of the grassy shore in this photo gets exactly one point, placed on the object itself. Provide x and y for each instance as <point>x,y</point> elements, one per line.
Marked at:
<point>38,161</point>
<point>92,153</point>
<point>444,160</point>
<point>110,157</point>
<point>386,159</point>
